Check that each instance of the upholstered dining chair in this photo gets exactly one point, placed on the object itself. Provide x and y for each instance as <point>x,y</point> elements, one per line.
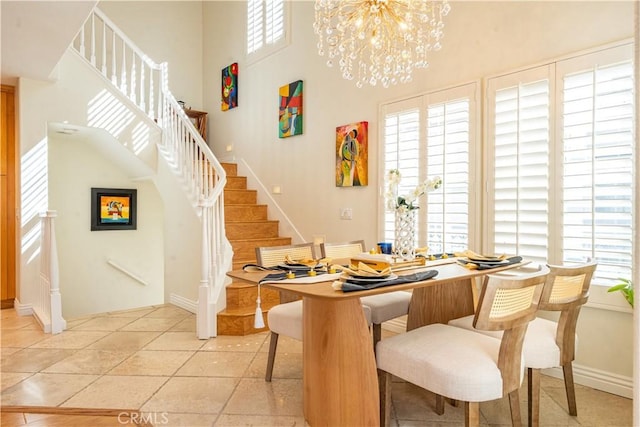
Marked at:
<point>383,307</point>
<point>461,364</point>
<point>550,344</point>
<point>269,256</point>
<point>286,317</point>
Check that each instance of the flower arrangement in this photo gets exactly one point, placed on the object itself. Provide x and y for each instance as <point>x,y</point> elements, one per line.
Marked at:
<point>406,202</point>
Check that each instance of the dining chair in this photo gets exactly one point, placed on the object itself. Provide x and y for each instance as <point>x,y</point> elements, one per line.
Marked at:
<point>286,317</point>
<point>550,344</point>
<point>270,256</point>
<point>461,364</point>
<point>383,307</point>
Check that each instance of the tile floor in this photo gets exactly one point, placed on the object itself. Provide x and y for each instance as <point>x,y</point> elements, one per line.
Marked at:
<point>149,359</point>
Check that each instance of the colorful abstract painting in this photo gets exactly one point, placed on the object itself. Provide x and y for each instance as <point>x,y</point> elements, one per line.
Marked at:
<point>229,87</point>
<point>352,155</point>
<point>290,116</point>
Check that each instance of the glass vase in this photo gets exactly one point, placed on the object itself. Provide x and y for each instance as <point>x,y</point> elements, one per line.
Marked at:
<point>405,237</point>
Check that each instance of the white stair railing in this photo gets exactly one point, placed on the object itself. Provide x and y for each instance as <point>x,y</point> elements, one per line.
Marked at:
<point>145,83</point>
<point>47,305</point>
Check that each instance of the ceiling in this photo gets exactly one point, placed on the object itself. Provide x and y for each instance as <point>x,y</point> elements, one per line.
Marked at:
<point>35,35</point>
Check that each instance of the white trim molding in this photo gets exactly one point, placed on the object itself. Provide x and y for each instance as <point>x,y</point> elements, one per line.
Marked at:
<point>597,379</point>
<point>184,303</point>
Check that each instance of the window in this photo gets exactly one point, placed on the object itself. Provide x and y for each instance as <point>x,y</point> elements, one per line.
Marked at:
<point>560,162</point>
<point>266,27</point>
<point>428,136</point>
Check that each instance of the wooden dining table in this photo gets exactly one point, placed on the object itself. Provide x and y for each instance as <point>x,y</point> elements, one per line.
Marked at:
<point>340,382</point>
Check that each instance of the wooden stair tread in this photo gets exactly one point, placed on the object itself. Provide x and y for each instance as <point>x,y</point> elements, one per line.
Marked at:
<point>244,311</point>
<point>243,212</point>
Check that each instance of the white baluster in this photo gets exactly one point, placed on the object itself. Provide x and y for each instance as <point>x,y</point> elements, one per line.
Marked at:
<point>114,77</point>
<point>151,90</point>
<point>104,49</point>
<point>123,79</point>
<point>93,40</point>
<point>143,105</point>
<point>132,96</point>
<point>82,48</point>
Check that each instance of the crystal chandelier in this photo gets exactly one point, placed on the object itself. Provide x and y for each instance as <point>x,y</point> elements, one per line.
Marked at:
<point>379,41</point>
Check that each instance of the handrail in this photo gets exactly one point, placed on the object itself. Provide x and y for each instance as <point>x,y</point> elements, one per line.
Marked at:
<point>118,59</point>
<point>135,277</point>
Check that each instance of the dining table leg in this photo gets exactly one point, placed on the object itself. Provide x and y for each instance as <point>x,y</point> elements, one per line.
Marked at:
<point>441,303</point>
<point>339,367</point>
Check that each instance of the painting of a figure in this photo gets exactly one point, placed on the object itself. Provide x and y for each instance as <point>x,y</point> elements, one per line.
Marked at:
<point>352,155</point>
<point>290,115</point>
<point>229,87</point>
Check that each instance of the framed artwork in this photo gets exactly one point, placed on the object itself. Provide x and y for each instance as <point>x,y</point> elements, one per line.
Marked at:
<point>352,155</point>
<point>113,209</point>
<point>229,87</point>
<point>290,114</point>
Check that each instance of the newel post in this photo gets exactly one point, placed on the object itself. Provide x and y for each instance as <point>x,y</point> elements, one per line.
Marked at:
<point>204,315</point>
<point>49,269</point>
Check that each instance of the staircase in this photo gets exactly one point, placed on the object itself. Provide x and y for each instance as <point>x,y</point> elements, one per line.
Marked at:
<point>134,83</point>
<point>247,227</point>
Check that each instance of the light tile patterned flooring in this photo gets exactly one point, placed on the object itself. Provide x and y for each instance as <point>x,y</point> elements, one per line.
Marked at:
<point>150,360</point>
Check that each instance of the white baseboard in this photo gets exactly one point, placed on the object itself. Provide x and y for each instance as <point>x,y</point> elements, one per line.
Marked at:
<point>22,309</point>
<point>583,375</point>
<point>184,303</point>
<point>597,379</point>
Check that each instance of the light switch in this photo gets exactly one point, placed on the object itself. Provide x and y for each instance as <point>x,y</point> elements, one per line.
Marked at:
<point>346,213</point>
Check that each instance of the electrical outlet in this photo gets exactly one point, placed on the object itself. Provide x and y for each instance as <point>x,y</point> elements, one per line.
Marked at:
<point>346,213</point>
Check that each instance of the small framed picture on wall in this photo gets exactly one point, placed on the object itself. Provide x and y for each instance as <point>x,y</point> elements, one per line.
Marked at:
<point>113,209</point>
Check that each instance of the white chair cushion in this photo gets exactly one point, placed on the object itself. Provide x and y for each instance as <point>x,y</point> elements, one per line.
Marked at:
<point>387,306</point>
<point>539,350</point>
<point>453,362</point>
<point>286,319</point>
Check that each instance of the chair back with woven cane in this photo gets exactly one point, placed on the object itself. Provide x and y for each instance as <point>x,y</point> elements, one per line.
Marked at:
<point>341,250</point>
<point>567,290</point>
<point>269,256</point>
<point>509,303</point>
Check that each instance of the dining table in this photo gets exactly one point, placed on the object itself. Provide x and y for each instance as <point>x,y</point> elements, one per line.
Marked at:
<point>340,382</point>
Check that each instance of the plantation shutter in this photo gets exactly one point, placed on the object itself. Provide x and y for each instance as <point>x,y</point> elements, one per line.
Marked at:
<point>520,134</point>
<point>448,137</point>
<point>428,136</point>
<point>254,25</point>
<point>274,21</point>
<point>597,174</point>
<point>402,152</point>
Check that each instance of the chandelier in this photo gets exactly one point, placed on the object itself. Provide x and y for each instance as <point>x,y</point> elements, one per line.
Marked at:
<point>379,41</point>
